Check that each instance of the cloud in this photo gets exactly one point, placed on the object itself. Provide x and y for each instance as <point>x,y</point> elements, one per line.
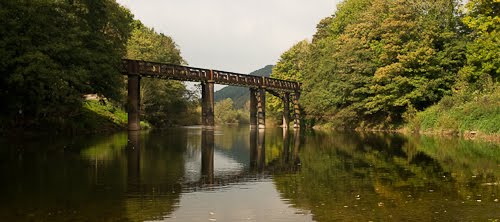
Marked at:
<point>232,35</point>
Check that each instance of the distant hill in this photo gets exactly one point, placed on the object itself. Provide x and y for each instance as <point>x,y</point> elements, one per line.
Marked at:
<point>240,95</point>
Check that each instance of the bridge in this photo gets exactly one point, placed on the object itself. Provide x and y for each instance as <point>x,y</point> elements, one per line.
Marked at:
<point>258,86</point>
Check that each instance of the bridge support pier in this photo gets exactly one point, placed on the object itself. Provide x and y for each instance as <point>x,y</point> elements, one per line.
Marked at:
<point>261,108</point>
<point>208,104</point>
<point>133,103</point>
<point>296,110</point>
<point>286,110</point>
<point>253,108</point>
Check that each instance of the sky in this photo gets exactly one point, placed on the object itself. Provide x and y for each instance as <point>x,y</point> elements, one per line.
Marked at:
<point>232,35</point>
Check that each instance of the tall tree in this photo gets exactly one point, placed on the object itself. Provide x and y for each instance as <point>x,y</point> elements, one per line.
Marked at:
<point>483,61</point>
<point>419,57</point>
<point>290,67</point>
<point>389,58</point>
<point>55,51</point>
<point>163,102</point>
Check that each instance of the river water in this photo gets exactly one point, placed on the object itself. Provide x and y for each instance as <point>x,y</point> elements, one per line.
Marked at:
<point>235,174</point>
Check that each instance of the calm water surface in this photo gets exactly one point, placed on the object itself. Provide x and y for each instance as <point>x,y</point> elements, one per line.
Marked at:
<point>234,174</point>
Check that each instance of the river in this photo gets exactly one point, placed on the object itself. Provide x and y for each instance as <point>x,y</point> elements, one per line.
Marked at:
<point>235,174</point>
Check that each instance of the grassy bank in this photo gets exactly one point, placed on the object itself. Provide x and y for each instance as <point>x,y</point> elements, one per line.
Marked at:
<point>471,115</point>
<point>465,114</point>
<point>92,116</point>
<point>102,117</point>
<point>98,116</point>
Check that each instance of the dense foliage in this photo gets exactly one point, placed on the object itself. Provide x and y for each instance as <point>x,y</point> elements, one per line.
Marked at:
<point>483,60</point>
<point>375,64</point>
<point>290,67</point>
<point>52,52</point>
<point>55,52</point>
<point>225,113</point>
<point>475,104</point>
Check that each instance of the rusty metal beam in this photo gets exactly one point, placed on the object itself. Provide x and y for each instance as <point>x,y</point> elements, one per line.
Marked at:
<point>185,73</point>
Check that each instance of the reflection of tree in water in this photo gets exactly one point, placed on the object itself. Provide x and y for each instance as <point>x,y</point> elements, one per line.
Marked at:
<point>155,171</point>
<point>355,177</point>
<point>50,181</point>
<point>96,179</point>
<point>278,150</point>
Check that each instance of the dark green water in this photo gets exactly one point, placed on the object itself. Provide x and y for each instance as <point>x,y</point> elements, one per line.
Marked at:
<point>233,174</point>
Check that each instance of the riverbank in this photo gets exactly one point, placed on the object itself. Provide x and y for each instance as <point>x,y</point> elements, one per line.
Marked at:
<point>465,114</point>
<point>95,116</point>
<point>467,135</point>
<point>470,115</point>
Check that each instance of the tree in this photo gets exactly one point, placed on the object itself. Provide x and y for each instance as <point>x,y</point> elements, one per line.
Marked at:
<point>483,61</point>
<point>331,62</point>
<point>224,112</point>
<point>418,57</point>
<point>163,102</point>
<point>53,52</point>
<point>290,67</point>
<point>380,59</point>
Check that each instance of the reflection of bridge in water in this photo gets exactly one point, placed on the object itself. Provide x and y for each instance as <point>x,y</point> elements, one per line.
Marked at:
<point>258,165</point>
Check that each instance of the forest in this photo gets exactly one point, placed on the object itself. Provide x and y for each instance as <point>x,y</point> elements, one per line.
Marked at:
<point>57,54</point>
<point>392,64</point>
<point>427,65</point>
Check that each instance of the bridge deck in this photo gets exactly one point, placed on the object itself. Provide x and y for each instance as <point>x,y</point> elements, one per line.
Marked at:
<point>185,73</point>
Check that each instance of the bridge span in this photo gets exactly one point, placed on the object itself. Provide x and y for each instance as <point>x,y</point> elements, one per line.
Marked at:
<point>258,86</point>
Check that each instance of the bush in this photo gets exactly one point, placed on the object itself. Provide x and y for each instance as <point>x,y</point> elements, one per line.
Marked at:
<point>459,114</point>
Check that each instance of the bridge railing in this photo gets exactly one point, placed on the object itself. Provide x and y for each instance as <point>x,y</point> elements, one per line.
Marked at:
<point>229,78</point>
<point>166,71</point>
<point>186,73</point>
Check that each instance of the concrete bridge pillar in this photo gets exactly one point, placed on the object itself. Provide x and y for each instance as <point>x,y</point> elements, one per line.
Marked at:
<point>296,110</point>
<point>261,108</point>
<point>208,104</point>
<point>286,110</point>
<point>133,102</point>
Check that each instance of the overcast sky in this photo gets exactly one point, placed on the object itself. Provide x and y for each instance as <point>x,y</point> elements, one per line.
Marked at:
<point>232,35</point>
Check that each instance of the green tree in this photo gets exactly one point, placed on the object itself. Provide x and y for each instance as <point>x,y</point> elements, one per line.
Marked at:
<point>381,59</point>
<point>163,102</point>
<point>53,52</point>
<point>331,61</point>
<point>419,57</point>
<point>483,61</point>
<point>224,112</point>
<point>290,67</point>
